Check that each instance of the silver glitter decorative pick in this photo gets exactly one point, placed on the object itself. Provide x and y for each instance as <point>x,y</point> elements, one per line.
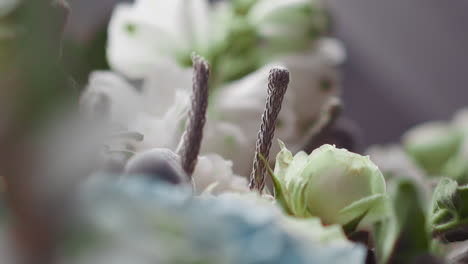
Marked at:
<point>189,146</point>
<point>278,81</point>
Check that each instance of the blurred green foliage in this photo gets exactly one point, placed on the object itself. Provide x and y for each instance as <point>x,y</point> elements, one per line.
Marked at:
<point>81,58</point>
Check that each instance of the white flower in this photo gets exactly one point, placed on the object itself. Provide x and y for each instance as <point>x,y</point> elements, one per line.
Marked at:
<point>314,77</point>
<point>107,87</point>
<point>143,32</point>
<point>155,109</point>
<point>235,110</point>
<point>148,33</point>
<point>213,169</point>
<point>229,140</point>
<point>162,132</point>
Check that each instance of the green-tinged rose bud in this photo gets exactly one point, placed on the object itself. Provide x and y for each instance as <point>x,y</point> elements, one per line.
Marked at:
<point>432,145</point>
<point>334,184</point>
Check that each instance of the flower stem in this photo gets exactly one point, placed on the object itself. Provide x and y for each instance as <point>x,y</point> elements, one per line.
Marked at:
<point>278,81</point>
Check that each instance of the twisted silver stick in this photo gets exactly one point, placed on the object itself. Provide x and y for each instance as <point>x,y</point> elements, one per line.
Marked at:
<point>189,146</point>
<point>278,81</point>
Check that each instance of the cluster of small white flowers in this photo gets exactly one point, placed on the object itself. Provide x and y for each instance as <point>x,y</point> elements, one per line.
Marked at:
<point>147,38</point>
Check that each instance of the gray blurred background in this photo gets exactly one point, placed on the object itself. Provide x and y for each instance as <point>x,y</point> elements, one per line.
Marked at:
<point>407,60</point>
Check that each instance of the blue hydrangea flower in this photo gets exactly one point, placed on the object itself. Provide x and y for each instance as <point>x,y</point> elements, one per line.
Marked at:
<point>136,221</point>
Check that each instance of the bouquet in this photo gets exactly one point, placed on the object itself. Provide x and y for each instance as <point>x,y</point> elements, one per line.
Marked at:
<point>214,136</point>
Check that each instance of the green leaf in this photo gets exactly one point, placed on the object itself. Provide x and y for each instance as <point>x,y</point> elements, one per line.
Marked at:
<point>374,207</point>
<point>351,227</point>
<point>283,161</point>
<point>277,186</point>
<point>403,234</point>
<point>386,233</point>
